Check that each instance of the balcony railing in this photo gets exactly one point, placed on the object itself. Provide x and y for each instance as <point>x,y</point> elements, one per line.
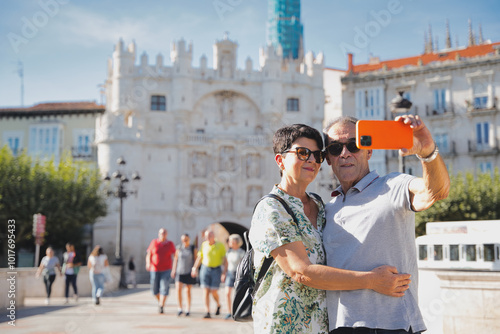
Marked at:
<point>483,149</point>
<point>430,110</point>
<point>86,153</point>
<point>448,151</point>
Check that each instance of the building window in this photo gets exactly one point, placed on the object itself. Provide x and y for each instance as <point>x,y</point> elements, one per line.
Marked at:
<point>480,95</point>
<point>454,253</point>
<point>489,252</point>
<point>422,252</point>
<point>292,104</point>
<point>439,101</point>
<point>44,140</point>
<point>486,167</point>
<point>158,102</point>
<point>438,252</point>
<point>442,142</point>
<point>14,140</point>
<point>482,135</point>
<point>470,251</point>
<point>370,103</point>
<point>82,142</point>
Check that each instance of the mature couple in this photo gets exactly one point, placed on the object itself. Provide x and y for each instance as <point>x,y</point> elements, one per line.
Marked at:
<point>349,266</point>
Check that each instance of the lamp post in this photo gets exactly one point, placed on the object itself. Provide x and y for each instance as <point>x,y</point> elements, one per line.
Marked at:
<point>121,193</point>
<point>400,105</point>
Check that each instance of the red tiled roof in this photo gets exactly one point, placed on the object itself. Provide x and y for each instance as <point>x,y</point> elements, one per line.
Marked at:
<point>426,58</point>
<point>58,106</point>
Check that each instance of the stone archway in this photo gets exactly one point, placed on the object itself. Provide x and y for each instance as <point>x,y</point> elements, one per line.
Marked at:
<point>235,228</point>
<point>222,232</point>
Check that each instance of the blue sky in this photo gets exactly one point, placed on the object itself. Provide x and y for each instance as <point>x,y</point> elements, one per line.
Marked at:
<point>64,44</point>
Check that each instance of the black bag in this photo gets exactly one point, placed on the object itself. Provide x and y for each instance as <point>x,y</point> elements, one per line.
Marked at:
<point>244,285</point>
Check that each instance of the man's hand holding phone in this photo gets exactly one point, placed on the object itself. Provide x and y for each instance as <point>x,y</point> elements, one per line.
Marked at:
<point>423,144</point>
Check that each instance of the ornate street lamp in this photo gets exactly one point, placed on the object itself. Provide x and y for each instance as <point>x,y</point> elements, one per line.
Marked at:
<point>121,193</point>
<point>400,105</point>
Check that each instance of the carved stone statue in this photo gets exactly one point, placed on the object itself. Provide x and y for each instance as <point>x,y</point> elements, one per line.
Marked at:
<point>253,166</point>
<point>199,164</point>
<point>198,196</point>
<point>226,199</point>
<point>227,159</point>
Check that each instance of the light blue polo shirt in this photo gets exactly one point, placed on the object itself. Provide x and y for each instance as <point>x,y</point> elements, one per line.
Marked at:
<point>373,225</point>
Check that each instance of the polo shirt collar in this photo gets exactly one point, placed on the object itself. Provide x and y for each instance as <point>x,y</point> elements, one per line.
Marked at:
<point>361,185</point>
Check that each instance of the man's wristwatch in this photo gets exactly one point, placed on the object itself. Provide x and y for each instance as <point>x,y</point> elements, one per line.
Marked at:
<point>431,157</point>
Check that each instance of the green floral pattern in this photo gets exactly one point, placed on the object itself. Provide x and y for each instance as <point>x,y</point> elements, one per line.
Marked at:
<point>281,304</point>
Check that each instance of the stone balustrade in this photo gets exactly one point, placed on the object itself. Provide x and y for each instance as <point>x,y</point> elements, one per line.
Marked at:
<point>472,301</point>
<point>21,283</point>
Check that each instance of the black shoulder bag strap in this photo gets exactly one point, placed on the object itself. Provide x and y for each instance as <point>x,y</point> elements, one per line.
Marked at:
<point>269,260</point>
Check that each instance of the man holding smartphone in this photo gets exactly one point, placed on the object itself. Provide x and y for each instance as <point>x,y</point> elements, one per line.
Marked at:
<point>371,221</point>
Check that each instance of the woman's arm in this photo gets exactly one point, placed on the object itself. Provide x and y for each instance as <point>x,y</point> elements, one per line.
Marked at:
<point>40,268</point>
<point>174,265</point>
<point>292,259</point>
<point>58,266</point>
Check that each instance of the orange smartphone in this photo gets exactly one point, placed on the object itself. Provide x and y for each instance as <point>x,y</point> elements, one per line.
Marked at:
<point>384,135</point>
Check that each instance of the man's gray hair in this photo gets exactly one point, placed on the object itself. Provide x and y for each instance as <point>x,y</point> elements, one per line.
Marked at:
<point>338,120</point>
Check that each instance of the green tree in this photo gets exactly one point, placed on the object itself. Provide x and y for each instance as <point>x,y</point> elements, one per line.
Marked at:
<point>470,198</point>
<point>68,194</point>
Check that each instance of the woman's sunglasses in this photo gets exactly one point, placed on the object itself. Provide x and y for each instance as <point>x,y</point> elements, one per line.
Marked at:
<point>304,153</point>
<point>336,147</point>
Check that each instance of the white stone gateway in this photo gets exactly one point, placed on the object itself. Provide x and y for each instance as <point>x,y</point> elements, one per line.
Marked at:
<point>201,138</point>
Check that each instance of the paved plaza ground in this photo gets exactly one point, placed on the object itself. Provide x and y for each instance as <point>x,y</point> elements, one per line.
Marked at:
<point>125,311</point>
<point>135,311</point>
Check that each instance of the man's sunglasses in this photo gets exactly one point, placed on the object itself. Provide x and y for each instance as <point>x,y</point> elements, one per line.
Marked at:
<point>336,147</point>
<point>304,153</point>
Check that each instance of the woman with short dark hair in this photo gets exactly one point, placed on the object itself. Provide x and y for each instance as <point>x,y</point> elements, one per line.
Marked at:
<point>291,298</point>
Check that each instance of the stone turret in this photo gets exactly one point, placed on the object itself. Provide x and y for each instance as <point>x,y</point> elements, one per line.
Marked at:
<point>181,97</point>
<point>121,76</point>
<point>181,57</point>
<point>225,58</point>
<point>272,90</point>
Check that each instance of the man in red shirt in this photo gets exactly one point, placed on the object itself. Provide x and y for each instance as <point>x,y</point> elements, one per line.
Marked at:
<point>159,265</point>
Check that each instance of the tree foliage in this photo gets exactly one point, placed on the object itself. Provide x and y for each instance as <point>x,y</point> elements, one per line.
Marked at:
<point>66,193</point>
<point>471,198</point>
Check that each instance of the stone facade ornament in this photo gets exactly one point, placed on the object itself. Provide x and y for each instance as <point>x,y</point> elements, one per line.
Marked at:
<point>199,164</point>
<point>253,195</point>
<point>198,196</point>
<point>227,159</point>
<point>226,199</point>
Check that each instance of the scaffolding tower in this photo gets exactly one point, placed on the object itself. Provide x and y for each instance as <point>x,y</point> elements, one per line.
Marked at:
<point>284,27</point>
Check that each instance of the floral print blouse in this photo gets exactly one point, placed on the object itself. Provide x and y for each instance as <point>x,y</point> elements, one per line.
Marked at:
<point>282,305</point>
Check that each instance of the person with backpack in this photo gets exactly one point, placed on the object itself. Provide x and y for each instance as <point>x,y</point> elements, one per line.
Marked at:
<point>234,255</point>
<point>184,258</point>
<point>292,297</point>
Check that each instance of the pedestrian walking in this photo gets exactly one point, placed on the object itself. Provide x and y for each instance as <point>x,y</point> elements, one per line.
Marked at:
<point>159,265</point>
<point>70,268</point>
<point>184,258</point>
<point>212,258</point>
<point>47,268</point>
<point>234,256</point>
<point>98,265</point>
<point>131,277</point>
